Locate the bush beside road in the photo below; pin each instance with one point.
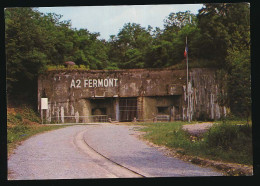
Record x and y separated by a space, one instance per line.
225 142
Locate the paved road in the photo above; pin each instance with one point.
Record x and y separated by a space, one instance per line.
119 144
63 154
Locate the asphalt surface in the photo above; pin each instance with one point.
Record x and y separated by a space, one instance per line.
120 144
94 151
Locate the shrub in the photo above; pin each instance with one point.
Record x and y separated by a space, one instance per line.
30 114
16 132
62 67
18 116
229 136
12 118
226 141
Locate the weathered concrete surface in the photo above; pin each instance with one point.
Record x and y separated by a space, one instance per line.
203 95
69 92
131 83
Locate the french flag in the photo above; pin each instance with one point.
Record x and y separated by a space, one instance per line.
186 51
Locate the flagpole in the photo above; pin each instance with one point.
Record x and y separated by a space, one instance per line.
188 109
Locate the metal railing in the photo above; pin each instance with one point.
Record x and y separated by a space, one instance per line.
163 117
99 119
78 119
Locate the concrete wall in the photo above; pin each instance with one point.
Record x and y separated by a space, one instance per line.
70 92
203 95
150 109
152 104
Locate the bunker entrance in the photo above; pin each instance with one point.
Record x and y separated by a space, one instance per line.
162 110
99 111
102 109
127 109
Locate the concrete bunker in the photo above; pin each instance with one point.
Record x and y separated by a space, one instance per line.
76 96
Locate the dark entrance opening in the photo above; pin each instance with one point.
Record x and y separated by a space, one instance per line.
163 110
102 109
127 109
99 111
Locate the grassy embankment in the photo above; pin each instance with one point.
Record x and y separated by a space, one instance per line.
226 141
22 123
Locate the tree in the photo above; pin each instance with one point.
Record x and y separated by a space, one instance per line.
226 38
176 21
239 82
34 40
88 50
218 24
170 43
129 47
25 55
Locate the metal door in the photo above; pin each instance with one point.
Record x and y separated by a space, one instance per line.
127 109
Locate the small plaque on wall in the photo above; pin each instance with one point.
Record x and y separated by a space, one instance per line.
44 103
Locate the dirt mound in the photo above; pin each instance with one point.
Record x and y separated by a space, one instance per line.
198 128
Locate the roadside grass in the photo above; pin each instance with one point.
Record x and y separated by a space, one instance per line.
23 123
227 141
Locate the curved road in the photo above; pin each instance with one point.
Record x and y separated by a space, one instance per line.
94 151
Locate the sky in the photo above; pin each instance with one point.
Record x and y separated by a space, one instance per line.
108 20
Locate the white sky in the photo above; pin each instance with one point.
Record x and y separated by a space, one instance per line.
108 20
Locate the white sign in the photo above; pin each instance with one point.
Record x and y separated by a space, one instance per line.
44 103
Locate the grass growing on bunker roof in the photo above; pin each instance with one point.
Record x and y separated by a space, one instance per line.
226 141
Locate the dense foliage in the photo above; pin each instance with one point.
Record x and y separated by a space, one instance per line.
219 37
